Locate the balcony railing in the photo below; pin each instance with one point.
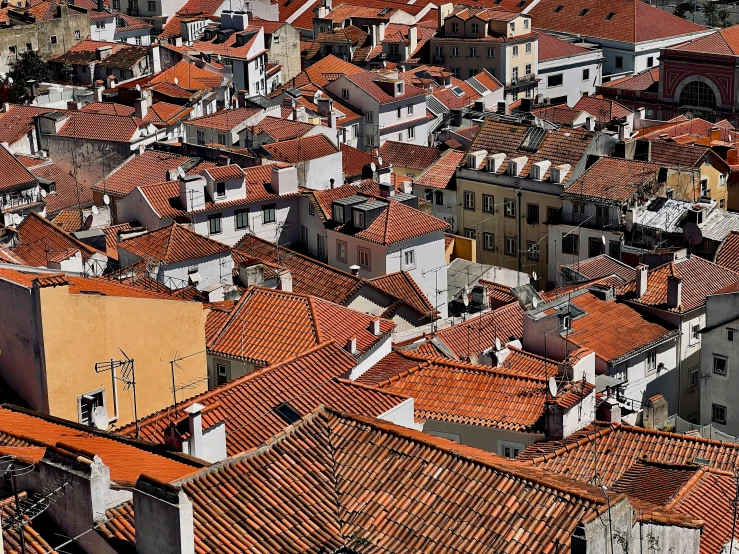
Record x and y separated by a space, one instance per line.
14 200
591 221
523 81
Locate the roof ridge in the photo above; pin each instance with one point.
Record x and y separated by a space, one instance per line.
77 242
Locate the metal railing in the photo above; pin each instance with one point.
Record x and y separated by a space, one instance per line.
14 200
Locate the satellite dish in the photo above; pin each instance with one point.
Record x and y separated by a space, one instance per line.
497 344
106 199
95 210
379 160
88 223
692 233
603 239
534 275
43 193
535 302
138 88
373 167
552 386
176 81
100 417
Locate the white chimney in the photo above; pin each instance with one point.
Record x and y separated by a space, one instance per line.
590 123
413 40
286 281
374 327
195 420
163 519
354 269
192 192
332 119
284 180
641 280
351 345
674 291
406 187
99 87
141 107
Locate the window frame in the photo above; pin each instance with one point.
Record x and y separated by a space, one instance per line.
339 245
650 361
714 419
238 214
509 208
557 77
575 239
491 199
529 219
361 251
466 195
510 240
532 250
694 378
220 189
725 360
266 209
491 246
470 233
412 263
215 218
99 391
586 74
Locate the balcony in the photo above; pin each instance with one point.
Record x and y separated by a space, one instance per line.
590 221
14 200
522 82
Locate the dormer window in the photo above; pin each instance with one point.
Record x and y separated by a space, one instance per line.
359 219
221 189
558 9
455 27
399 89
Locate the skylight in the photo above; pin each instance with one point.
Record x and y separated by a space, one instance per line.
583 12
286 412
558 9
610 16
457 91
521 4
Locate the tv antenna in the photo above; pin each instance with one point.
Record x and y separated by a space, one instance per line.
127 377
27 506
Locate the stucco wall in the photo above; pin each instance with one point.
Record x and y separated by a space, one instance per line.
484 438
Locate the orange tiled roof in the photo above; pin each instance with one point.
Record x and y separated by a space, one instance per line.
305 382
615 181
111 238
439 174
268 326
100 126
401 285
163 114
654 482
297 488
499 295
469 338
39 237
683 126
644 81
70 220
144 169
125 459
224 120
602 109
69 193
723 42
602 266
18 121
225 172
172 244
14 175
551 48
353 161
281 129
728 253
110 108
700 278
300 149
413 156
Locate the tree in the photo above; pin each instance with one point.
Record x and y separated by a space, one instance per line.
682 9
724 17
25 67
711 14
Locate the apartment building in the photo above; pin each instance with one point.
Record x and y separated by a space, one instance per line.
472 39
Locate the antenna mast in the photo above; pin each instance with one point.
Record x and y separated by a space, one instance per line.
128 378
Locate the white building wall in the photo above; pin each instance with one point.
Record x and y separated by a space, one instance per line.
317 174
447 210
573 84
403 414
103 29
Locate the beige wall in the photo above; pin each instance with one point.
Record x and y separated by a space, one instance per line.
82 329
502 227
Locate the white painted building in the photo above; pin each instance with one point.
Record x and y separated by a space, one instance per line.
226 127
567 70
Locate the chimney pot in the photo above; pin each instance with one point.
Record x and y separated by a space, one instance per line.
375 327
674 291
641 280
354 269
351 345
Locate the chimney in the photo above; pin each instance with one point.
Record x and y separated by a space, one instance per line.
195 421
284 180
141 107
299 114
351 345
99 87
101 6
110 81
413 39
610 411
715 133
163 518
286 281
32 84
407 187
590 123
73 106
240 21
674 291
192 192
374 327
444 11
641 280
623 128
332 119
251 275
103 52
354 269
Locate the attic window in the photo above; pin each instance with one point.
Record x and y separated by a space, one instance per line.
610 16
521 4
584 12
458 92
498 2
558 9
385 11
286 412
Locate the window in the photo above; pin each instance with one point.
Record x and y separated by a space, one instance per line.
456 72
488 241
552 215
509 207
394 49
514 73
512 26
152 6
694 378
138 40
475 28
473 71
491 52
583 12
358 219
532 214
488 203
287 413
609 16
696 332
455 27
439 198
268 213
469 200
515 50
370 117
470 233
554 80
619 62
321 241
276 39
409 109
12 50
221 374
528 48
409 259
304 236
440 51
345 93
528 72
454 51
698 94
370 140
722 204
730 335
400 113
341 250
355 131
29 47
201 137
221 189
491 70
510 449
411 133
473 52
585 74
532 250
565 322
53 37
571 244
650 360
242 219
214 224
87 403
116 4
363 255
720 365
510 246
650 61
718 414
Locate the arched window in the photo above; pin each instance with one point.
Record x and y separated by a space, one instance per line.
698 94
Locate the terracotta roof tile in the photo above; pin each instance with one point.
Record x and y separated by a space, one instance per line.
728 253
615 181
301 149
14 176
305 382
314 74
163 113
110 108
225 172
602 109
99 126
654 482
633 21
231 46
557 114
281 129
682 126
723 42
18 121
144 169
354 161
551 48
700 278
69 192
38 238
332 476
70 220
111 238
499 295
401 285
602 266
671 154
268 326
643 81
224 120
403 154
172 244
34 541
440 173
191 8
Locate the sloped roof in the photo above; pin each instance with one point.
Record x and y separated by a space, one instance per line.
39 239
110 108
440 173
401 285
632 20
172 244
18 121
672 154
144 169
315 74
14 175
163 114
683 126
614 181
724 41
553 48
700 278
728 253
602 109
268 326
306 381
367 81
601 266
281 129
310 503
300 149
224 120
69 192
353 161
639 82
100 126
404 154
